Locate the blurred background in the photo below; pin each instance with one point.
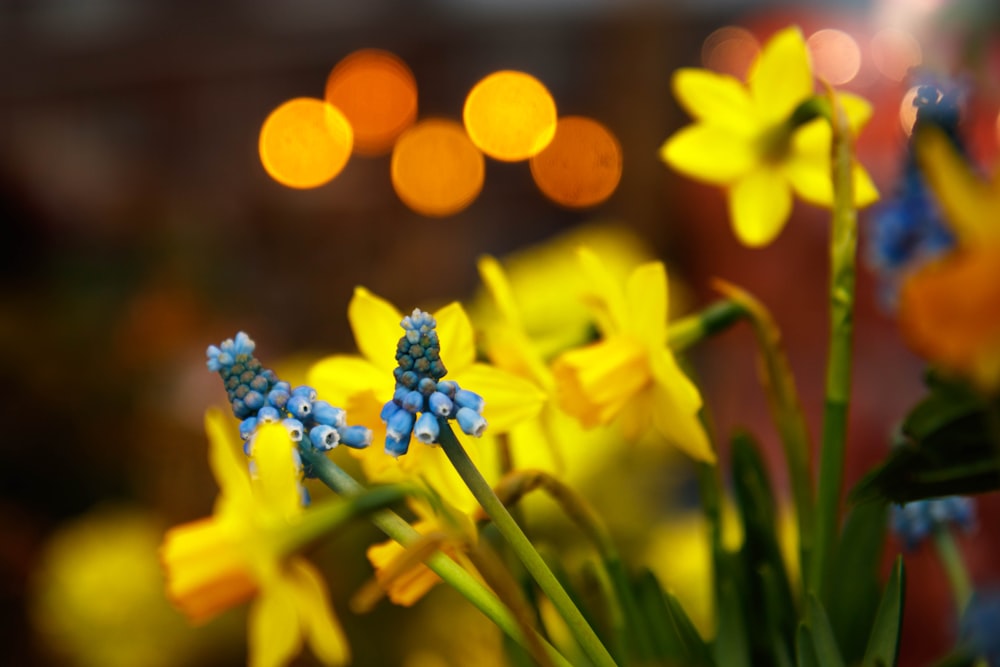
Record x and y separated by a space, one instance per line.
139 226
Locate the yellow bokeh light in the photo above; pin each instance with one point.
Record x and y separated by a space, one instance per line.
836 56
730 50
894 52
378 94
510 116
581 166
305 142
436 170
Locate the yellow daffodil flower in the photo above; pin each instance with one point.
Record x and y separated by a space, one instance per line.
950 308
745 139
630 375
540 277
553 441
363 384
239 554
403 575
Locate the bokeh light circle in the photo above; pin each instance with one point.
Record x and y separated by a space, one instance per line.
305 142
510 116
378 94
436 170
907 110
581 166
894 52
730 50
836 56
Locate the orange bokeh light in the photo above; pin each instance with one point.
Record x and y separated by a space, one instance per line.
378 94
907 110
581 166
730 50
894 52
836 56
510 116
436 170
305 142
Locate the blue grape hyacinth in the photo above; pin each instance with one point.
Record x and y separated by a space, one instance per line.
913 522
421 397
908 228
257 396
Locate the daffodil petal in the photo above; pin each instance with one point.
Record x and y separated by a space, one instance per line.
809 176
675 410
375 323
602 294
970 205
273 633
226 461
865 192
322 631
759 205
340 377
781 77
858 110
709 153
495 280
276 485
813 139
458 347
509 398
717 99
646 294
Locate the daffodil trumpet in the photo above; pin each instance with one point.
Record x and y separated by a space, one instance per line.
451 572
519 543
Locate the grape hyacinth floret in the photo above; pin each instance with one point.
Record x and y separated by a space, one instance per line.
257 396
421 397
913 522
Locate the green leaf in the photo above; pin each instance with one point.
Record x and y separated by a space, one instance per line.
853 597
824 644
731 647
770 605
946 449
883 643
805 648
674 637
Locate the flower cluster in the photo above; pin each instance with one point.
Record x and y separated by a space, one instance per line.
258 397
421 397
914 521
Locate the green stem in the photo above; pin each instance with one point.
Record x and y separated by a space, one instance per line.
519 542
843 248
451 572
714 319
954 567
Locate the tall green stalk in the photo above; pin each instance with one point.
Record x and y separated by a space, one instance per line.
843 249
533 562
396 528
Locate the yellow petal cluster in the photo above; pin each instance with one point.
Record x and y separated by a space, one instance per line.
238 554
631 376
950 308
744 138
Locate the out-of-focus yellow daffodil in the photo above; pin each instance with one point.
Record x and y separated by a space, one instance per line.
746 138
631 374
542 275
950 308
363 384
240 554
406 579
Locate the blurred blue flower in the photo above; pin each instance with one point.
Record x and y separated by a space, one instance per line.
980 625
913 522
908 229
